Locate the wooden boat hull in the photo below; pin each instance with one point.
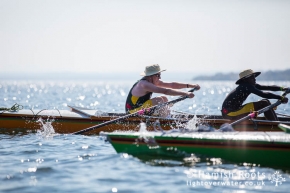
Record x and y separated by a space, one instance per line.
261 148
76 119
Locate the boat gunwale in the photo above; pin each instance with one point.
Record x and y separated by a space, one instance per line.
204 142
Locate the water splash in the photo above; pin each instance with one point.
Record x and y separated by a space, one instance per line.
146 137
46 129
143 132
192 123
226 128
101 113
188 121
195 124
143 128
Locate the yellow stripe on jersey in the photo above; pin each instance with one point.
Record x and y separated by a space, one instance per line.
248 108
134 99
147 104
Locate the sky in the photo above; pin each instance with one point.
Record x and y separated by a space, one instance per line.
124 36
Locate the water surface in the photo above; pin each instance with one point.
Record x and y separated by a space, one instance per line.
66 163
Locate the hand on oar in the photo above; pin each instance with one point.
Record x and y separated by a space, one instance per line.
227 126
133 114
284 100
287 91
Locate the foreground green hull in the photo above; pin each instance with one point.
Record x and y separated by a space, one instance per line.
260 148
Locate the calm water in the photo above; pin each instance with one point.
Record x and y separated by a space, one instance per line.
66 163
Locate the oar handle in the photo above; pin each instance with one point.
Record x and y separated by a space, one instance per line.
252 115
131 115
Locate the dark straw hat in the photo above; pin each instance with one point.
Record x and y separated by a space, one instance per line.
246 74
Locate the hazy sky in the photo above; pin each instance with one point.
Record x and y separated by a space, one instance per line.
126 35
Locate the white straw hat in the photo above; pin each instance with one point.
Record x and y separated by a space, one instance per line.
246 74
151 70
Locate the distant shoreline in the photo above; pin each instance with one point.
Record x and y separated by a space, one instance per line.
279 75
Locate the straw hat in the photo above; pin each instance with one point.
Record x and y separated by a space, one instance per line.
151 70
246 74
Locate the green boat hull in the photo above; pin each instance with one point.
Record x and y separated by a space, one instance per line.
266 149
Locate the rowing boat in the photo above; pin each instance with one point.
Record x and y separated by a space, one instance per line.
78 118
261 148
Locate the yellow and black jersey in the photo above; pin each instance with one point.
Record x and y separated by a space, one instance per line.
135 103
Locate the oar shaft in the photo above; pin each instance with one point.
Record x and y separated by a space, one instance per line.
283 115
252 115
270 107
131 115
103 124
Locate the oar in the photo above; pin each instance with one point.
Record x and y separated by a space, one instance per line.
283 115
140 112
228 127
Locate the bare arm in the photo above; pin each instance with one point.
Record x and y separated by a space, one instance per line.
149 87
177 85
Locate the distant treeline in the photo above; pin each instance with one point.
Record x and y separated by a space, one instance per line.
267 75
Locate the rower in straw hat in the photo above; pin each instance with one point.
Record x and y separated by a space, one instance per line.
233 107
140 95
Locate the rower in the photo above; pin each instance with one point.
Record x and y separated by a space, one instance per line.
140 94
233 107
